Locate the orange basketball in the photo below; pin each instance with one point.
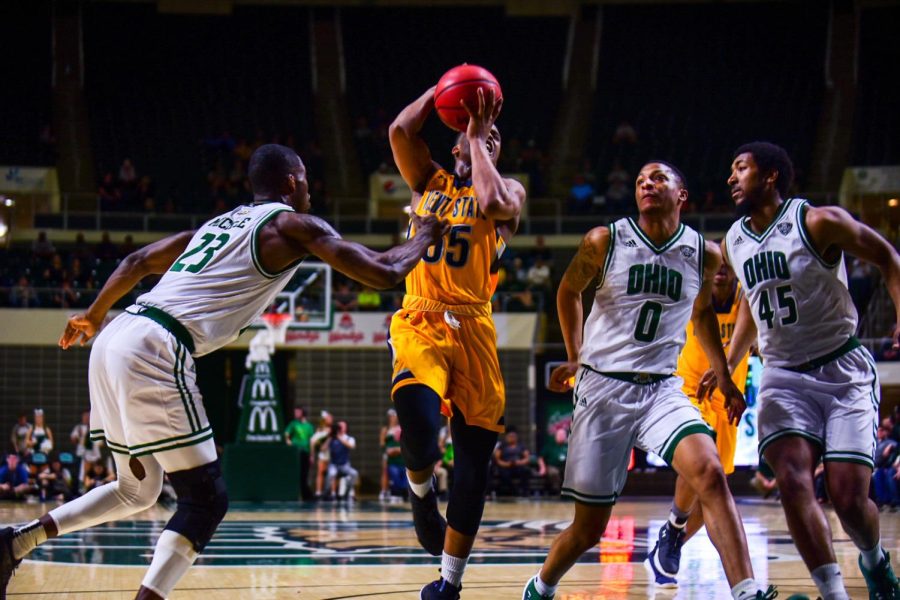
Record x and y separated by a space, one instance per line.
462 83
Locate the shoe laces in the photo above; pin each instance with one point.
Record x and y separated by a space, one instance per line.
769 594
673 540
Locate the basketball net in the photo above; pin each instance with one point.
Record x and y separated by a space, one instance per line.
277 324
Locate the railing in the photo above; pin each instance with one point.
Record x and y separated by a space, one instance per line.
75 298
546 216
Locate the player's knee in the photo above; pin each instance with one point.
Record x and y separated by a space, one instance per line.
419 412
202 503
466 504
710 479
848 503
139 494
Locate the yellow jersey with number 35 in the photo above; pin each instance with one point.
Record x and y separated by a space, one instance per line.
461 267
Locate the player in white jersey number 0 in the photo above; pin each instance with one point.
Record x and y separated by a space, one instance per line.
144 398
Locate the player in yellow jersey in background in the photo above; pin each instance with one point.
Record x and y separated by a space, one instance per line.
686 516
443 342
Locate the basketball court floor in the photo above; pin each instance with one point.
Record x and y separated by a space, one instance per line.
328 552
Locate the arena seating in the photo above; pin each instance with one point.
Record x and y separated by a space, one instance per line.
877 119
748 88
158 84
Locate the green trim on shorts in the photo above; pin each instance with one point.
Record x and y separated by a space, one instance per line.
179 355
687 428
764 443
175 446
171 439
592 499
849 456
190 396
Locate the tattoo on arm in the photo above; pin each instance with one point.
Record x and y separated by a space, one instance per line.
584 266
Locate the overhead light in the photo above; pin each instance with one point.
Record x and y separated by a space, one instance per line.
893 202
3 230
9 202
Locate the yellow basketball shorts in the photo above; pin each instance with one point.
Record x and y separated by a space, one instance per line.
716 416
455 355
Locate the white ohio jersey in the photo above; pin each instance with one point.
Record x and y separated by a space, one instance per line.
217 287
800 302
644 301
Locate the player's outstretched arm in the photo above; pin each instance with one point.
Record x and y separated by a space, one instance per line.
706 328
586 264
833 229
152 259
379 270
410 151
499 198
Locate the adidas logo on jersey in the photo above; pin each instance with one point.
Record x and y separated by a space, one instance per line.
582 401
785 228
739 240
630 244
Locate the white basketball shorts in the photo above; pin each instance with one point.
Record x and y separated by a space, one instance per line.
610 418
834 406
144 395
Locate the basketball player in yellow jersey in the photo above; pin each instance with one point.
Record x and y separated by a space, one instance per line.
686 516
443 340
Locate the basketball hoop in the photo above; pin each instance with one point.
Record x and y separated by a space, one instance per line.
277 324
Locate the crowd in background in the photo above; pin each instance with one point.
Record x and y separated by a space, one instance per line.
39 466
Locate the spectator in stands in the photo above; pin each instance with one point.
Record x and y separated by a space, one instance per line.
97 475
618 192
340 443
15 482
393 469
40 437
522 301
84 449
128 246
109 193
860 282
20 432
23 295
540 250
55 481
552 461
883 476
344 299
298 433
81 250
581 195
106 250
127 173
42 247
368 299
146 194
512 459
65 296
318 445
539 276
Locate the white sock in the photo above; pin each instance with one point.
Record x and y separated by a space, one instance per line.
677 517
829 581
452 568
419 489
544 589
28 537
871 558
173 556
744 590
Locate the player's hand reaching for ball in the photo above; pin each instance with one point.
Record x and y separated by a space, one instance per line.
735 404
80 328
483 114
430 226
561 377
